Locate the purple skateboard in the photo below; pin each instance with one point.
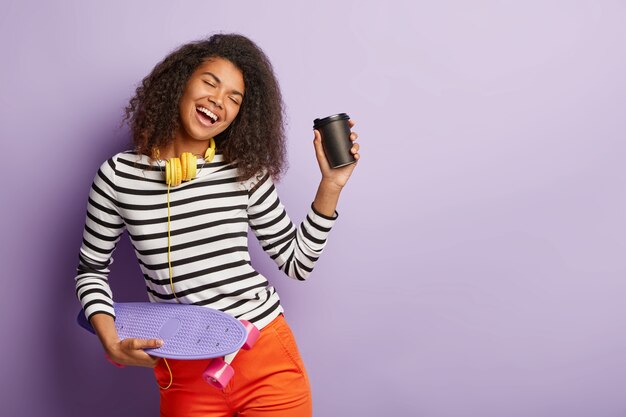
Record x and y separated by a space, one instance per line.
187 331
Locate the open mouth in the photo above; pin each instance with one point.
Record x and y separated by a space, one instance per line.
206 115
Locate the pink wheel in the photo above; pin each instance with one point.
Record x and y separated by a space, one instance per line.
218 373
253 334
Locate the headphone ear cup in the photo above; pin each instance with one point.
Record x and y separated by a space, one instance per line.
183 166
168 172
192 166
179 172
173 172
188 162
210 152
180 169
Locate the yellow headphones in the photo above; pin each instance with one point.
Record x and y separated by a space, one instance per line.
182 169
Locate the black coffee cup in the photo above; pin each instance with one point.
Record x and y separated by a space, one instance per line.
335 132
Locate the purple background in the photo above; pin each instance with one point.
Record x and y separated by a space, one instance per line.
478 265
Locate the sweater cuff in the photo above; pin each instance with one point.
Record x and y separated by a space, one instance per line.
322 219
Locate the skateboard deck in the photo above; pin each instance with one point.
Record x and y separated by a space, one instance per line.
187 331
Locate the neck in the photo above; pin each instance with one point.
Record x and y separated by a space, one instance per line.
176 148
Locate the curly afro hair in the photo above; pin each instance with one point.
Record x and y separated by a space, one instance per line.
255 139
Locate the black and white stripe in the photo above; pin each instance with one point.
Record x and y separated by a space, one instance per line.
210 217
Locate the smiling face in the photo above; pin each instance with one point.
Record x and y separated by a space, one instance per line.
210 102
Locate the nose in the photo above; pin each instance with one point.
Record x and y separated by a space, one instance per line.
216 99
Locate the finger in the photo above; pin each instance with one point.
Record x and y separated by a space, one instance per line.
151 343
138 344
143 359
351 123
154 361
317 142
317 135
354 136
355 148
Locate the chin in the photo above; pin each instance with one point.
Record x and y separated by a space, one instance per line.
205 134
219 131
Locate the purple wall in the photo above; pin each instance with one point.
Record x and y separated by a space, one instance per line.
478 265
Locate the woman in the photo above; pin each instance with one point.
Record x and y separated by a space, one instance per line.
191 237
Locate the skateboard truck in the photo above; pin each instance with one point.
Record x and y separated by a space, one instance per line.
219 371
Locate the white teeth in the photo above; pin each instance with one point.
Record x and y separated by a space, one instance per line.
208 113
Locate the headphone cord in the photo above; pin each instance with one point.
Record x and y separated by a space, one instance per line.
169 245
169 264
169 256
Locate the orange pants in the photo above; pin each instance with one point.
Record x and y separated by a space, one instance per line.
270 380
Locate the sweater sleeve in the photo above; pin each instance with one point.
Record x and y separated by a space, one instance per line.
295 250
103 228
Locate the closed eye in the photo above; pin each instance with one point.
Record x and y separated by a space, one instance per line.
209 83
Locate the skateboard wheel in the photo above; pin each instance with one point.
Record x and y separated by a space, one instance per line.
253 334
218 373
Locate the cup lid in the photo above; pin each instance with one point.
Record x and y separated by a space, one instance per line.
321 122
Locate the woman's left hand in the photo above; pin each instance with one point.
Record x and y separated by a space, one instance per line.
336 176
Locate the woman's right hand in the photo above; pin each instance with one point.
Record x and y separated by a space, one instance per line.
131 352
123 352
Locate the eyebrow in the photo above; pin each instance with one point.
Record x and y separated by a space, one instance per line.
220 81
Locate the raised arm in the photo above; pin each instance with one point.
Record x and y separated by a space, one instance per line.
295 250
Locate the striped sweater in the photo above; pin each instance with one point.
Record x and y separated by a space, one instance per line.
209 221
